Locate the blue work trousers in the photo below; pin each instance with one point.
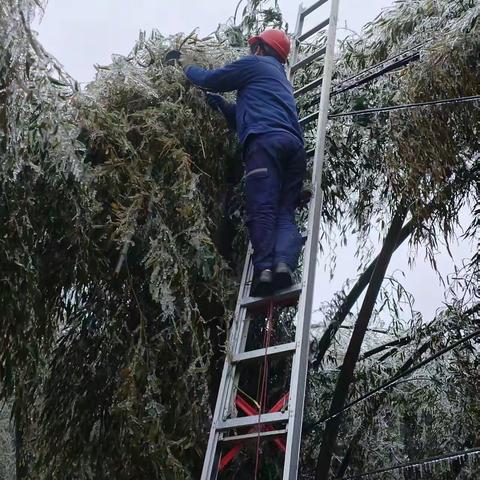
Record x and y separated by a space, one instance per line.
275 166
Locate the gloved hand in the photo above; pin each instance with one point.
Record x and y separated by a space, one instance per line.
172 56
214 100
185 60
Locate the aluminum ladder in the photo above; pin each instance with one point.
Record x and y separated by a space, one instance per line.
282 424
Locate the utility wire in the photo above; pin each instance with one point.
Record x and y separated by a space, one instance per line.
393 380
365 76
403 62
414 49
388 67
448 101
406 106
439 458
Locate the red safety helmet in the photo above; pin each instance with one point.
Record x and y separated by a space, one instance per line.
276 39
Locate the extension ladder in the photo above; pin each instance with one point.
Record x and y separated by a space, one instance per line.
282 423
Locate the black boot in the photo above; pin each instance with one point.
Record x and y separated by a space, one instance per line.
262 285
283 277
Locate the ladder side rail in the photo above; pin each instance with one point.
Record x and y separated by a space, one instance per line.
300 360
242 319
296 43
240 324
235 336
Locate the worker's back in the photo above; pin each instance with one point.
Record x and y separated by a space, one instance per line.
265 102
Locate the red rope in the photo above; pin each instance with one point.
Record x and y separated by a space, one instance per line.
263 381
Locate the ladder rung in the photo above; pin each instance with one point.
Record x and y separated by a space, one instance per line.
252 420
254 436
313 7
309 118
307 88
260 353
283 298
313 30
308 59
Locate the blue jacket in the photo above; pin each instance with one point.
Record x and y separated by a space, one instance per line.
265 100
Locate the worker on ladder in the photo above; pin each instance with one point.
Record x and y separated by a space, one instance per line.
266 121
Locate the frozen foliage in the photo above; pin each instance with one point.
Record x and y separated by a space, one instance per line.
428 159
118 271
7 452
114 293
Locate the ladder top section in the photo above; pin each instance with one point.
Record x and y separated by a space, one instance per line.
314 30
308 10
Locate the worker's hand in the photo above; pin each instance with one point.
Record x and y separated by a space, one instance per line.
187 60
176 56
214 100
172 57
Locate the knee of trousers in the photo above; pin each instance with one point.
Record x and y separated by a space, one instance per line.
261 210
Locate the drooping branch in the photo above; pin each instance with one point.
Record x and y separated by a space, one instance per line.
328 335
373 409
419 463
394 380
400 342
330 332
346 373
379 399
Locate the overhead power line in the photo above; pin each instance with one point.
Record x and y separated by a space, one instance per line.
365 76
406 106
419 463
371 73
369 111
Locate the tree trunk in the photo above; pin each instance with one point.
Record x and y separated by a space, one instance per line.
347 371
20 468
327 337
330 332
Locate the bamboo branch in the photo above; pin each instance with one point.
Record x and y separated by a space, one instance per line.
326 340
123 253
417 463
394 380
330 332
346 373
399 342
374 409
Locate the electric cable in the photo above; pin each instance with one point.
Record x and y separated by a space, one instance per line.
345 85
440 458
263 382
448 101
401 62
406 106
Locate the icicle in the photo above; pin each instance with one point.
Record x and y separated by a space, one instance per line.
426 469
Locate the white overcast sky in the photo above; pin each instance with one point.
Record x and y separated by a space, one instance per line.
81 34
